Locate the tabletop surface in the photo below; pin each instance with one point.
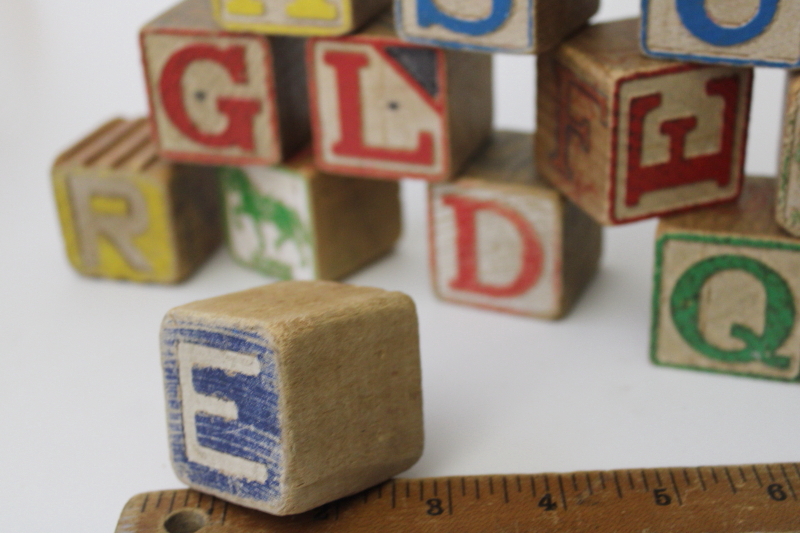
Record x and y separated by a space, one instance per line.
82 424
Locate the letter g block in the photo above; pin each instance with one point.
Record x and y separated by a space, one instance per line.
726 289
285 397
223 98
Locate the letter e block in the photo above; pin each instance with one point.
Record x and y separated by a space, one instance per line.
726 289
293 222
788 210
285 397
383 108
516 26
218 97
126 213
628 137
739 32
500 238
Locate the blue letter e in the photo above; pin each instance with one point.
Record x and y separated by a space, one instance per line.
428 14
695 18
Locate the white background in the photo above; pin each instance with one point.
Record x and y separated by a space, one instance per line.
81 406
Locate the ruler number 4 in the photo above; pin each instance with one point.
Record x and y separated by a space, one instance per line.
547 503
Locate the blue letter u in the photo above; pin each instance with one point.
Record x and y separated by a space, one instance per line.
428 14
695 18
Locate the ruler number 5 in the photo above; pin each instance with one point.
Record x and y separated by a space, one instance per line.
662 498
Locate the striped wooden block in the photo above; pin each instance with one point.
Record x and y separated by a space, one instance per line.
503 239
126 213
218 97
285 397
627 137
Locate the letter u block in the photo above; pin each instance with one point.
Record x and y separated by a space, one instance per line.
288 396
739 32
788 209
383 108
503 239
627 137
726 293
218 97
506 26
126 213
293 222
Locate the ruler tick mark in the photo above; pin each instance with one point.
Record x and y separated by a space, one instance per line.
172 501
730 480
686 478
449 498
491 486
700 478
602 481
789 483
714 475
658 479
519 484
200 499
224 511
505 490
463 487
741 475
616 483
408 489
186 499
435 489
589 483
421 491
769 471
533 486
574 483
561 488
644 481
144 503
796 469
158 500
758 478
546 483
675 487
477 489
211 509
630 480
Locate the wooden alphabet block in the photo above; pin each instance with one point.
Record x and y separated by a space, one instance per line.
293 222
627 137
503 239
288 396
509 26
739 32
788 209
218 97
297 17
383 108
126 213
727 294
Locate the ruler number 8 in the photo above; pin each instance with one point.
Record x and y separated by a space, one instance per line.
434 507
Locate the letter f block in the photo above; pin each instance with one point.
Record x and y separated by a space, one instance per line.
628 137
288 396
383 108
218 97
753 32
502 239
726 293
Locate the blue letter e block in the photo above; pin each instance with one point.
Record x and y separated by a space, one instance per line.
696 19
222 409
429 14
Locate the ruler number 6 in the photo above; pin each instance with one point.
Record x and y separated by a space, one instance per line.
662 498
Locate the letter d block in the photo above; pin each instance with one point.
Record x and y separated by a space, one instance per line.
126 213
293 222
218 97
500 238
727 293
743 32
517 26
382 108
288 396
627 137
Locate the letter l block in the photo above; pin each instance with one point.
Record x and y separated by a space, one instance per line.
288 396
726 293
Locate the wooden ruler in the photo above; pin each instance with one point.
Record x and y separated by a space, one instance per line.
733 499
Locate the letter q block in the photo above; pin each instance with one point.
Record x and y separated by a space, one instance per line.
628 137
384 108
503 239
285 397
743 32
727 294
507 26
218 97
126 213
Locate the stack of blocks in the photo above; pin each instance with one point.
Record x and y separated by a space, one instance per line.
286 397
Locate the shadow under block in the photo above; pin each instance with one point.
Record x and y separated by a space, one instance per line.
292 222
384 108
503 239
126 213
218 97
627 137
727 288
506 26
743 32
297 17
788 208
288 396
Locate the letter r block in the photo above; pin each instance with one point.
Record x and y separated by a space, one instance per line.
218 97
383 108
508 26
288 396
727 294
628 137
502 239
739 32
126 213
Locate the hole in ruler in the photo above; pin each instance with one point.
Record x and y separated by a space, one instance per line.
185 521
